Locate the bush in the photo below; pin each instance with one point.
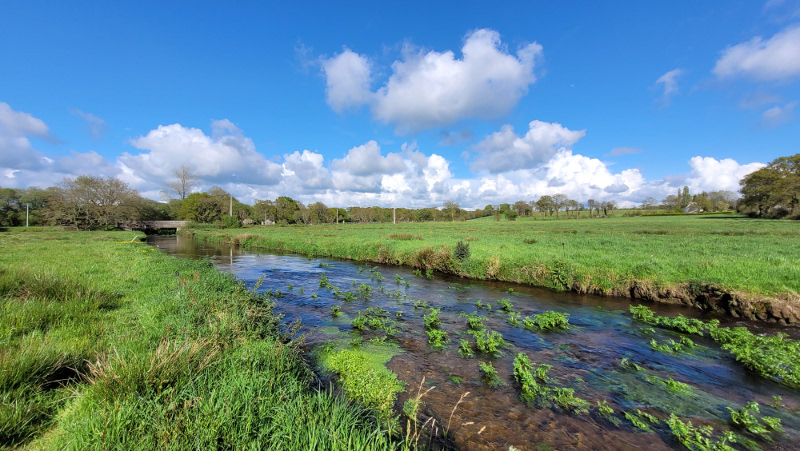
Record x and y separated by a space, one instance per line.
230 222
511 215
462 251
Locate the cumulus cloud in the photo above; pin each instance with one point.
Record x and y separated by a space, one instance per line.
16 150
97 126
778 115
710 174
506 150
347 76
429 89
669 82
774 59
226 154
307 170
366 159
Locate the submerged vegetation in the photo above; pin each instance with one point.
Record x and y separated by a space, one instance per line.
775 357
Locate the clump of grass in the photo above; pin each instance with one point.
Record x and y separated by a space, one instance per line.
490 377
549 320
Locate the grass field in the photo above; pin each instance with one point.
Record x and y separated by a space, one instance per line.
749 257
101 348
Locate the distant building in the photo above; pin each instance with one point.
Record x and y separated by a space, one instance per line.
692 208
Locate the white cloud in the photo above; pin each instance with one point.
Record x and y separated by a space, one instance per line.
16 150
348 76
670 84
97 126
307 170
775 59
225 155
366 159
778 115
432 89
710 174
505 150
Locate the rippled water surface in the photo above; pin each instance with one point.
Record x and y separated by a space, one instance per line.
586 357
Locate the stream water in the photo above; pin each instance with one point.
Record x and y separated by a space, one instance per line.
586 358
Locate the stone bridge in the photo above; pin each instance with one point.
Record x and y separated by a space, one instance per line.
152 225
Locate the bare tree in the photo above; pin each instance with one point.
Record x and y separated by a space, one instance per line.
181 186
560 201
452 208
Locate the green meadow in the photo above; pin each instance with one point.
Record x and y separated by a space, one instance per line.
103 346
753 258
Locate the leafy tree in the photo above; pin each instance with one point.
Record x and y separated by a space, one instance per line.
559 202
774 187
672 202
89 202
684 197
648 203
423 214
522 208
545 204
452 209
200 207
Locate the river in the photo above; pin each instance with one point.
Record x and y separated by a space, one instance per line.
586 358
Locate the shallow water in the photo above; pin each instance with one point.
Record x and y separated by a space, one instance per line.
586 357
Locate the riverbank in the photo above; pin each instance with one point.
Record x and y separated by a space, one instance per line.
108 343
724 263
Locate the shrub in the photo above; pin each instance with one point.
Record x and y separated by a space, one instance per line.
462 251
230 222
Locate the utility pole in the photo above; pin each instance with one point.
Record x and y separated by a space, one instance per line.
230 211
337 215
27 213
394 214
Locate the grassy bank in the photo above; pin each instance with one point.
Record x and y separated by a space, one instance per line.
673 257
103 347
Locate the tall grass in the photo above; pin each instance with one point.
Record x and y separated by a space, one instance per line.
102 347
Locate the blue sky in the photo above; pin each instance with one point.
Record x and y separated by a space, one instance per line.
370 103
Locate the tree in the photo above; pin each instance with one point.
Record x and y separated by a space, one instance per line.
452 209
545 204
559 202
319 213
200 207
773 188
181 186
671 203
592 205
88 202
684 197
522 208
648 203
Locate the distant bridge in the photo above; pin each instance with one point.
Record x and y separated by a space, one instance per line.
152 225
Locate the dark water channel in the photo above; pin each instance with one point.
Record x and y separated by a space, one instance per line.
586 358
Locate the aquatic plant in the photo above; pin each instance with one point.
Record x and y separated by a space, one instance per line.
513 319
437 338
473 320
774 357
505 305
417 273
744 419
638 422
630 365
373 388
549 320
429 274
488 341
700 438
432 320
314 295
349 296
566 399
336 311
324 282
466 350
490 377
364 291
